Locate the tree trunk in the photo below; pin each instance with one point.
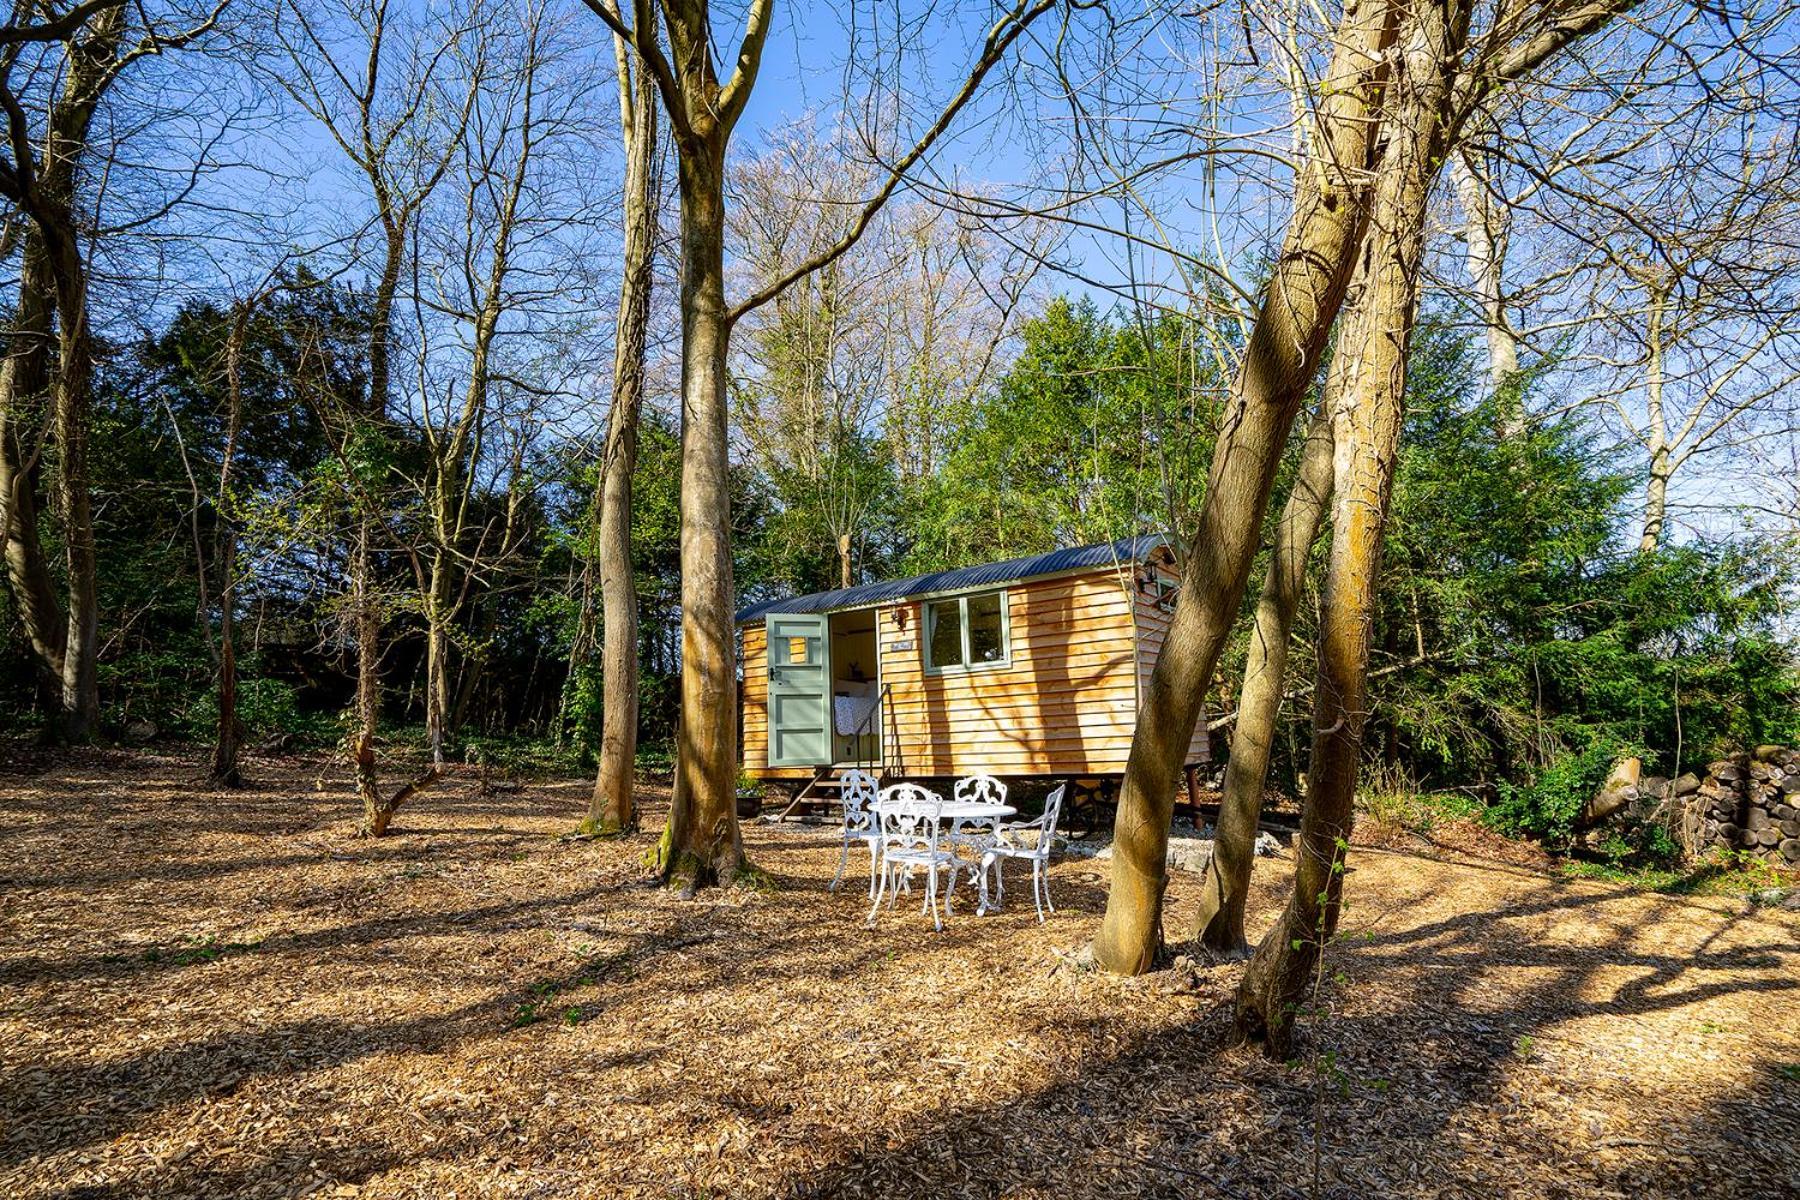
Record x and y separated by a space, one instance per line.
24 393
437 669
74 382
1656 500
613 809
1662 462
1221 923
377 811
1280 359
53 280
702 843
1487 228
229 738
1366 419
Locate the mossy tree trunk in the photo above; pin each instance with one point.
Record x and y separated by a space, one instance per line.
1302 300
1366 413
1221 921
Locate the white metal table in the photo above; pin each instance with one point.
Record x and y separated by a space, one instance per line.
974 825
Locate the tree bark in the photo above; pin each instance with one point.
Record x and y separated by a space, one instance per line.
1303 298
702 844
54 281
1662 461
229 736
613 809
1487 228
1366 420
73 396
24 395
1221 922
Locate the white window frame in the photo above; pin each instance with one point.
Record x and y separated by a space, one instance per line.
962 603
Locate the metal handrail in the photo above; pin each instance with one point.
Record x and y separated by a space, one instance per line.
879 762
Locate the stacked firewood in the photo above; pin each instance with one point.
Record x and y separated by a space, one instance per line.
1746 802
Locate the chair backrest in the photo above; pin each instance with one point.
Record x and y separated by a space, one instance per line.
910 817
858 790
981 789
1052 810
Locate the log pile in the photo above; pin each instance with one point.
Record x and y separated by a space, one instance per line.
1746 802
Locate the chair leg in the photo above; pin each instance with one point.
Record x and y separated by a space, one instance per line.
950 895
843 861
877 893
1037 890
873 857
1046 870
937 922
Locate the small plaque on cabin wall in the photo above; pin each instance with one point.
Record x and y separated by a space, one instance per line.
898 647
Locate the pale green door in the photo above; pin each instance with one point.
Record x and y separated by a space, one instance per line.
799 689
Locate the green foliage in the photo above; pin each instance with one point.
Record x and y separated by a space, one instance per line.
1101 428
1549 803
1717 873
1521 626
265 707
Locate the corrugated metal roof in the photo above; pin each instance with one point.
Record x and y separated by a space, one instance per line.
987 575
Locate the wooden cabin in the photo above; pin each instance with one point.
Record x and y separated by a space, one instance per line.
1031 667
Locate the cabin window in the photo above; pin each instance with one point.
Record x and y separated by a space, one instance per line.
966 633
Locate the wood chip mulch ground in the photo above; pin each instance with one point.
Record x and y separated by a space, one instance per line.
212 994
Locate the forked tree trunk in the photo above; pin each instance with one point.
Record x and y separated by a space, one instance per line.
1303 298
1221 922
54 280
24 400
613 809
1366 420
378 810
701 844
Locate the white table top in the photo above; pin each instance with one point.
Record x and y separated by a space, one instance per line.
966 810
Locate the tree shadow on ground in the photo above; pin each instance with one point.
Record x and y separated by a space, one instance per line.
1187 1114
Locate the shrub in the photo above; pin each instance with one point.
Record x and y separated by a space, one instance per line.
1548 805
265 707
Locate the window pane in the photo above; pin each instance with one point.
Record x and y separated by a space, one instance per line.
946 634
797 650
987 630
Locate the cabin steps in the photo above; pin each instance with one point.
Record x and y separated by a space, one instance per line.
823 793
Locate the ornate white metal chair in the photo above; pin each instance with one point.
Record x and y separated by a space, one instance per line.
859 791
980 789
1030 841
912 839
977 834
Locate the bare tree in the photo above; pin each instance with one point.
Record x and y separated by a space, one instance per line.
50 106
1310 277
383 107
1303 296
701 842
613 808
491 251
1695 345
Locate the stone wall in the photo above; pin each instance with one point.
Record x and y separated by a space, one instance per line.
1746 802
